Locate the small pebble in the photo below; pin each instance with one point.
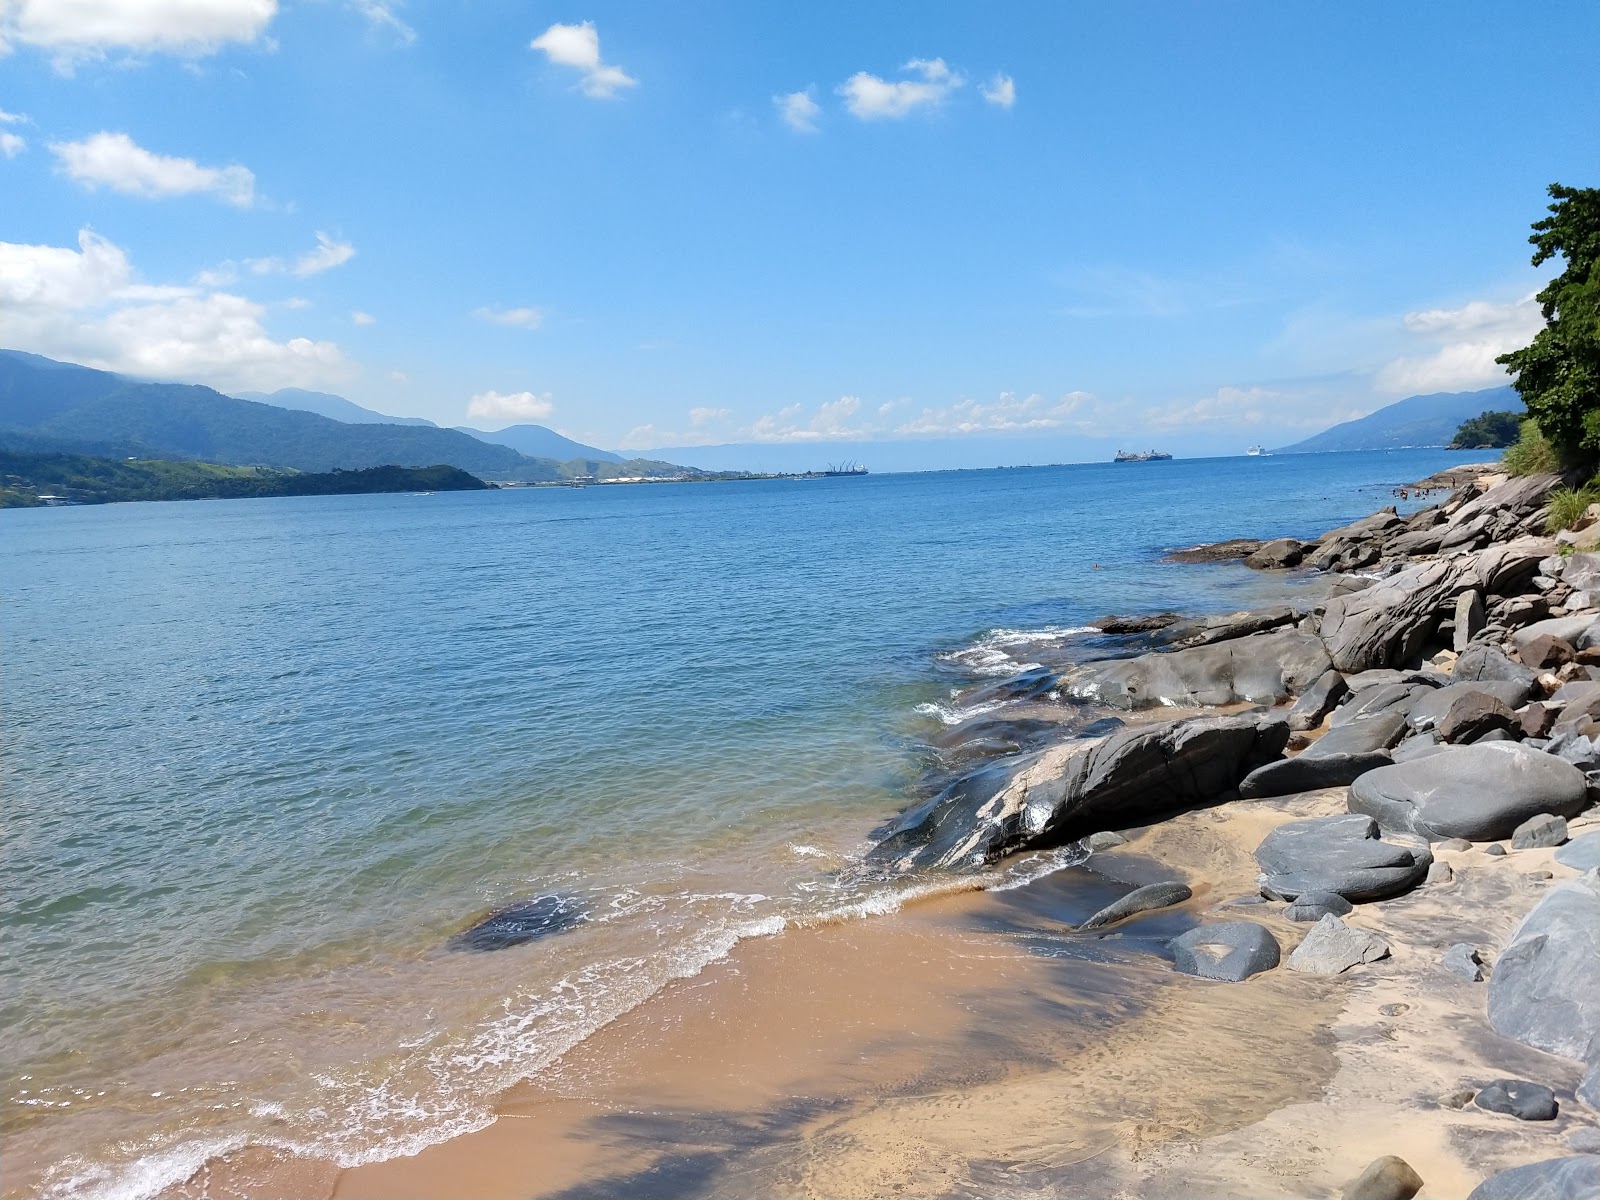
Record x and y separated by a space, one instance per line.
1440 872
1453 844
1394 1010
1495 849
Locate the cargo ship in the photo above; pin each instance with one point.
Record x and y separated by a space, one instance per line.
1147 456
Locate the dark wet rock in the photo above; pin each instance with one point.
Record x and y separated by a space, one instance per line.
1574 1178
1229 951
1345 554
1075 788
1482 663
1210 552
1262 669
1386 1178
1036 683
522 922
1537 719
1341 854
1277 555
1317 701
1581 853
1495 850
1313 906
1546 653
1430 710
1469 619
1545 991
1523 1100
1383 521
1464 961
1146 624
990 737
1151 896
1106 839
1306 773
1333 947
1475 792
1225 627
1494 735
1538 832
1420 746
1477 716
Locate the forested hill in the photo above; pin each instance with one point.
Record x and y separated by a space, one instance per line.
1415 421
45 405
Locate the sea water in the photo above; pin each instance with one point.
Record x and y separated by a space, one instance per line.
265 758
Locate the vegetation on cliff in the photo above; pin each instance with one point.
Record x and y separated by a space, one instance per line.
1487 430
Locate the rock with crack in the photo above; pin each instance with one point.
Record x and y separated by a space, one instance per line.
1317 701
1230 951
1482 663
1073 789
1480 792
1333 947
1389 623
1341 854
1539 832
1262 668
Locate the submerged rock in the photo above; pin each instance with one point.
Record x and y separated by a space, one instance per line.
1073 789
522 922
1145 899
1476 792
1340 854
1229 951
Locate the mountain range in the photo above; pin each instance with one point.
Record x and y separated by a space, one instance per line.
1415 421
49 406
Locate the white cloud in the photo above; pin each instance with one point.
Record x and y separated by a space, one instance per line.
399 377
521 318
85 28
579 46
1001 90
705 416
86 305
1008 413
114 160
362 318
381 16
324 256
831 421
871 98
798 110
11 144
513 406
1462 346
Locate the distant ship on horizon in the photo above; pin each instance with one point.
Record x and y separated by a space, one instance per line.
1147 456
848 468
1257 452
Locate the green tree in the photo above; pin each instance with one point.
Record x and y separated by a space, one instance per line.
1492 429
1558 373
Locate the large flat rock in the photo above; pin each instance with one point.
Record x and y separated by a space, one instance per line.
1480 792
1341 854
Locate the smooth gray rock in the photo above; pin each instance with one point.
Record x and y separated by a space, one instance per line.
1317 701
1277 555
1229 951
1144 899
1545 990
1340 854
1386 1178
1387 699
1469 618
1494 735
1567 629
1574 1178
1440 872
1332 947
1313 906
1463 960
1538 832
1377 732
1072 789
1482 663
1429 710
1308 772
1263 668
1495 850
1475 792
1225 627
1581 853
1521 1099
1106 839
1420 746
1453 844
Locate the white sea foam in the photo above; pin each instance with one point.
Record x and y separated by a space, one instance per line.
990 655
953 714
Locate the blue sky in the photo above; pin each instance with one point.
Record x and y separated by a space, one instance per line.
1189 225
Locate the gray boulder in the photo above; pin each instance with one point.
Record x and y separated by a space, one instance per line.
1277 555
1545 990
1483 663
1389 623
1144 899
1430 709
1573 1178
1476 792
1477 717
1229 951
1333 947
1464 961
1385 699
1521 1099
1313 906
1469 619
1538 832
1075 788
1317 701
1386 1178
1345 554
1262 668
1340 854
1581 853
1420 746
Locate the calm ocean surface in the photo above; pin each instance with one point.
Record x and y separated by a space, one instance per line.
263 758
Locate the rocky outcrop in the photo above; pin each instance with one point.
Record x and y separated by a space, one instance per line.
1480 792
1317 701
1127 778
1277 555
1263 668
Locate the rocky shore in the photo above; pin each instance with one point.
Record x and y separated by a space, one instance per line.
1424 741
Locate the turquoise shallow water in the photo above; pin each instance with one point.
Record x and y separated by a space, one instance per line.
263 758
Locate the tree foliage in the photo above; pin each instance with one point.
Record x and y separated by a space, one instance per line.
1494 430
1558 373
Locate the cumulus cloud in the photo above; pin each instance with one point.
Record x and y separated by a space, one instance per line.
1007 413
87 305
830 421
578 46
520 318
11 144
1460 346
74 29
510 406
1001 91
362 318
324 256
116 161
798 110
871 98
